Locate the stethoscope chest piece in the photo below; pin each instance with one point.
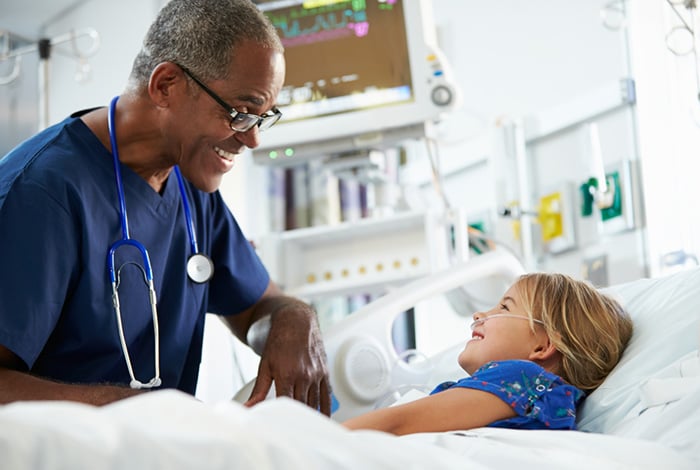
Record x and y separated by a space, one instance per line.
200 268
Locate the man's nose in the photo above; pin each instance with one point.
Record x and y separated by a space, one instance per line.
249 138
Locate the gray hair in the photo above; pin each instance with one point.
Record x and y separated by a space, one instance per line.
202 35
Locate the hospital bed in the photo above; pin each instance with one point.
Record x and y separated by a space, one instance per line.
645 415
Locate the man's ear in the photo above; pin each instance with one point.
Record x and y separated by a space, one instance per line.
164 82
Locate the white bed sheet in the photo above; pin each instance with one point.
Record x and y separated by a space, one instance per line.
171 430
645 415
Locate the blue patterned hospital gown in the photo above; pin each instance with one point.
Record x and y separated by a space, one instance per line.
541 399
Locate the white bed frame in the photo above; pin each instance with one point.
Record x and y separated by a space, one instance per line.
361 352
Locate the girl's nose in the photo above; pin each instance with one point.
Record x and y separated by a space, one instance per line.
478 318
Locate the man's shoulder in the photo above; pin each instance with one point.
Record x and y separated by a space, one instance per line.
52 158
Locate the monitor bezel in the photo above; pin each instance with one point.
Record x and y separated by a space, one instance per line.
428 71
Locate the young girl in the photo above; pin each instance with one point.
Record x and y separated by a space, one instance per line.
531 360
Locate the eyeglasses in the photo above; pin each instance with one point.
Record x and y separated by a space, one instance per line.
240 122
481 321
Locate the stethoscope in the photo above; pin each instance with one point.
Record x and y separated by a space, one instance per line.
200 267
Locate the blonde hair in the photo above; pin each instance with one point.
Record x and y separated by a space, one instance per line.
588 328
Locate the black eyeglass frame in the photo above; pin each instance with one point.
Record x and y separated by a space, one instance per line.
240 122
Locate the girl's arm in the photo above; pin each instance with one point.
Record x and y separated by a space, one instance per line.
452 410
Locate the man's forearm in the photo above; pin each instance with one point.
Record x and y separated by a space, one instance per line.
20 386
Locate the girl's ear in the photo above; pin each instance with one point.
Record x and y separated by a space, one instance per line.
544 352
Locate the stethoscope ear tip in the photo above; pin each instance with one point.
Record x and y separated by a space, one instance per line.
153 383
135 384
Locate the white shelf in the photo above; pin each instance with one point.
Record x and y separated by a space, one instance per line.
342 288
331 234
366 256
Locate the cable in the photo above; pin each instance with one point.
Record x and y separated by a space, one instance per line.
434 159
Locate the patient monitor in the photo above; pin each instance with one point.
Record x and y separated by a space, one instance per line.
359 75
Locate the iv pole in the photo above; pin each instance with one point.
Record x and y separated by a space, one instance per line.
44 47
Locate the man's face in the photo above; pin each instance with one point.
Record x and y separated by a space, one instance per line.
207 144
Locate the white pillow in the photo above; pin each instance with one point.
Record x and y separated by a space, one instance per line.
666 315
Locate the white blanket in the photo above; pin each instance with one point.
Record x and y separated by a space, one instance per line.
648 408
171 430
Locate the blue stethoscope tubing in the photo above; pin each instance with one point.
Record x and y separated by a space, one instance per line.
199 267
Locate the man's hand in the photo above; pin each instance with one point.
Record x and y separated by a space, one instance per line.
294 358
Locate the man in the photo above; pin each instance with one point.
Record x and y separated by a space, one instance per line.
94 206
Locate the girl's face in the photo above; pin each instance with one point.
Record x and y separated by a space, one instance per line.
502 333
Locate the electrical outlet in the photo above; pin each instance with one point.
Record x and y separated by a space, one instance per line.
555 215
550 216
623 211
614 208
595 270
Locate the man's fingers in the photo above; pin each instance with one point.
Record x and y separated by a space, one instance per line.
284 389
325 398
301 393
260 390
313 397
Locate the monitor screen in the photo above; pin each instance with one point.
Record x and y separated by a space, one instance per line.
356 70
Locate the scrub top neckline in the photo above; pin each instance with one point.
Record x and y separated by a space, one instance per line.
160 204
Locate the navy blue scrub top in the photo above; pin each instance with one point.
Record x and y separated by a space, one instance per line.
59 215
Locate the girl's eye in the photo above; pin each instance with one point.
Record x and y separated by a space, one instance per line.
504 307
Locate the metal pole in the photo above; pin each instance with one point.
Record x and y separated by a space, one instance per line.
44 47
520 150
